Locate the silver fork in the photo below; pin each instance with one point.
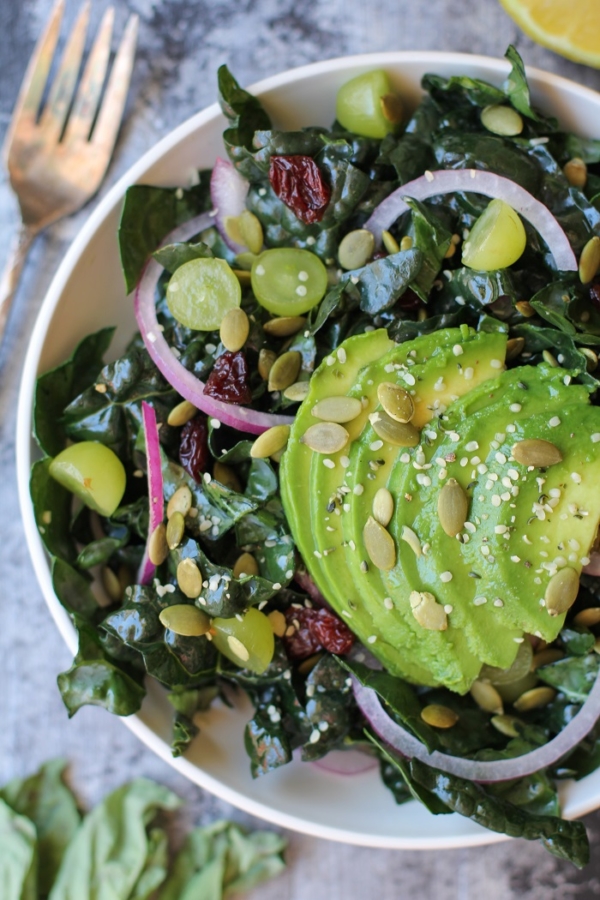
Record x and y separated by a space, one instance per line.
55 160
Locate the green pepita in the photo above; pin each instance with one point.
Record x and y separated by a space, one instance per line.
284 370
562 591
235 327
383 507
245 260
356 249
181 501
550 359
591 358
175 530
278 622
439 716
546 657
158 549
536 452
389 242
185 619
589 261
502 120
506 725
514 347
536 698
400 434
270 441
266 358
284 326
430 614
525 308
231 224
406 242
487 697
181 414
226 476
337 409
189 578
325 437
379 545
589 617
297 391
575 171
452 507
396 401
251 231
111 584
245 564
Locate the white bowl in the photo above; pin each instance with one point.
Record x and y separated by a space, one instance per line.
88 293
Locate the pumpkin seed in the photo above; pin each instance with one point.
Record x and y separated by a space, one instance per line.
231 224
589 261
562 591
591 358
487 697
536 452
245 564
452 507
158 549
396 402
546 657
337 409
284 326
111 584
276 457
389 242
575 171
506 725
226 476
325 437
297 391
550 359
536 698
189 578
588 617
270 441
244 277
175 530
450 251
525 308
502 120
235 327
356 249
284 370
511 692
383 507
392 108
412 540
278 622
308 664
251 231
266 358
379 545
181 414
596 647
399 434
185 619
439 716
181 501
427 611
514 347
406 242
245 260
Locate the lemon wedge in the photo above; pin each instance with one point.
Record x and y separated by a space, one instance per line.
571 29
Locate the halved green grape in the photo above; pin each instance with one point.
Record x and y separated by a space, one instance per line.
288 281
201 292
368 105
92 472
248 642
497 238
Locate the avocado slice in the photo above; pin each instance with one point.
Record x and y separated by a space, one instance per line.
523 524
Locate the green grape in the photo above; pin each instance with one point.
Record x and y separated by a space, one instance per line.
288 281
201 292
367 105
497 239
92 472
248 642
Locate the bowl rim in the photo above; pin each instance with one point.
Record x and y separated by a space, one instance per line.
494 67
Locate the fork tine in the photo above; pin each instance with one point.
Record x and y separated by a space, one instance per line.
61 93
90 88
113 103
36 75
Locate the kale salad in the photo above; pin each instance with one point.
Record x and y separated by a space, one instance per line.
348 463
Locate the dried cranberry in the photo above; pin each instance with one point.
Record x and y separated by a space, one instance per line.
332 633
193 446
409 300
302 643
228 380
595 294
297 181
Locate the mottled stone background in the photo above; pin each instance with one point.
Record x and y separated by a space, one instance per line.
182 43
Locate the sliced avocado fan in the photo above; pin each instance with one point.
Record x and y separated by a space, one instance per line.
448 603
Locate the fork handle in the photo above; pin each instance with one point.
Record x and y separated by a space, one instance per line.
12 273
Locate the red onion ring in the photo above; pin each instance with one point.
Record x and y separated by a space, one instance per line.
155 486
228 190
594 565
346 762
479 770
184 382
475 181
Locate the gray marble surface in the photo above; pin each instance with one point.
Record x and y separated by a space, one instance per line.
182 42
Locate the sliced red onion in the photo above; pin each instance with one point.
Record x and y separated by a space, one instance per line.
155 486
594 565
228 191
346 762
183 381
478 770
475 181
303 579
